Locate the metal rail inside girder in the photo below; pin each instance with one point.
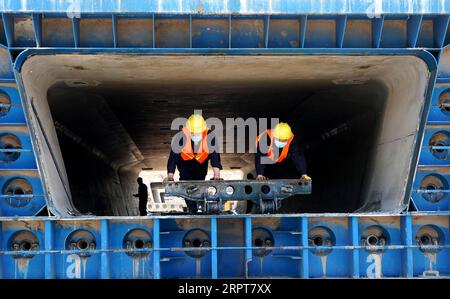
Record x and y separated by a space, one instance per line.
238 190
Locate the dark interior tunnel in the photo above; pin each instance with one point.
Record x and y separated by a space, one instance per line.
110 117
96 129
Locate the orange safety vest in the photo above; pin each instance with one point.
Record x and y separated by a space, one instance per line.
187 152
270 153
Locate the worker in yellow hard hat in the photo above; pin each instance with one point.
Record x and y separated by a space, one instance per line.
281 153
192 161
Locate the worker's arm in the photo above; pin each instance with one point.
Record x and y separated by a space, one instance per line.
171 165
299 160
258 165
215 161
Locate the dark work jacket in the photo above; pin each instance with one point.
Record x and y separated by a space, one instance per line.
191 170
279 170
142 193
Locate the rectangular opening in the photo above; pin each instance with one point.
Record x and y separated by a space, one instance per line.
356 117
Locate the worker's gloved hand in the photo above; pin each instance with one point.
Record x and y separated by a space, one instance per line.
260 177
305 178
168 179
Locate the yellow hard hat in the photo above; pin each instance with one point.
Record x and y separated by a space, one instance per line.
196 124
282 131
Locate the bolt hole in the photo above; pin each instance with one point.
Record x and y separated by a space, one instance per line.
248 189
265 189
372 240
318 241
25 245
139 244
82 244
8 146
425 240
431 187
259 242
197 243
439 150
18 191
5 100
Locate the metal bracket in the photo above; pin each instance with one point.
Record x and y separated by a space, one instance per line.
265 194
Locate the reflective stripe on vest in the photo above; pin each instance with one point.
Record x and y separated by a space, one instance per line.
270 154
187 152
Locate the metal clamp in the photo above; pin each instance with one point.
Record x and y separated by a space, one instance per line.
212 195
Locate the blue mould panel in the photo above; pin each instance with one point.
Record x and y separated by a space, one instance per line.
127 235
164 30
182 234
430 231
435 146
12 111
430 189
74 236
379 262
24 237
440 105
21 193
16 151
407 245
281 233
332 234
218 31
295 246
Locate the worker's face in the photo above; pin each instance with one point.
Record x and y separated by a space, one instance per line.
197 137
280 143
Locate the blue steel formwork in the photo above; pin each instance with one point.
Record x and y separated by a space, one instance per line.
411 244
